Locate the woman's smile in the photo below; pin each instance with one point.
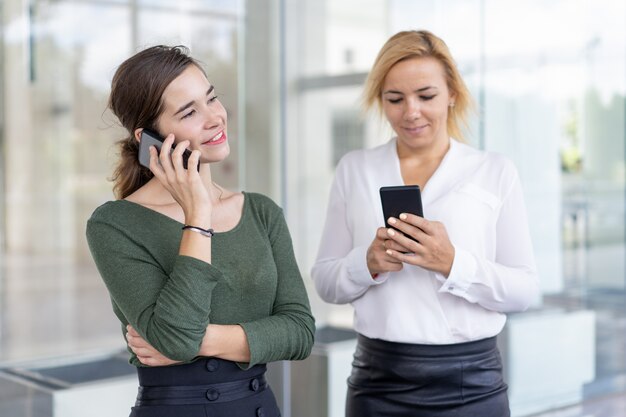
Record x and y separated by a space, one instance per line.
216 140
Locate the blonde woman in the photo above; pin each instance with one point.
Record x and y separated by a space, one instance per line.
427 311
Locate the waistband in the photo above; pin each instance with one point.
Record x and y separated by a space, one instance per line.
204 371
427 351
205 381
200 394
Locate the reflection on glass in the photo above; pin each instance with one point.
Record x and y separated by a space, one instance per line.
59 145
550 81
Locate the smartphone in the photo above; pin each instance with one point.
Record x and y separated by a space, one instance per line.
401 199
152 138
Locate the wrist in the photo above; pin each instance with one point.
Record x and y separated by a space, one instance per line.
203 222
208 348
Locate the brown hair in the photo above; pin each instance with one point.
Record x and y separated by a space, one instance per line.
419 44
136 100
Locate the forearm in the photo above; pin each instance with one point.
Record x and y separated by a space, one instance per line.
494 286
227 342
195 245
343 280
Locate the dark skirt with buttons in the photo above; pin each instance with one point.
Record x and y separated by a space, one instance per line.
401 379
206 387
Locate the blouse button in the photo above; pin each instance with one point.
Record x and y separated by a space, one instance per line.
260 412
254 384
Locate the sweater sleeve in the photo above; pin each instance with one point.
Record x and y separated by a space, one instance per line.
169 309
288 333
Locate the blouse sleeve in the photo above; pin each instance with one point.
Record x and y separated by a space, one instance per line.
340 271
288 333
169 310
510 282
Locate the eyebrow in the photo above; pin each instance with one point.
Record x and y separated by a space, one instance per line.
186 106
419 90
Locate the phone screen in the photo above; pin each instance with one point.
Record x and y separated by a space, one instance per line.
401 199
152 138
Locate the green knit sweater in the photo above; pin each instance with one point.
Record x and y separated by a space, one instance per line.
170 299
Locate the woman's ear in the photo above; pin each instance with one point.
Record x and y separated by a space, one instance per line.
138 134
452 99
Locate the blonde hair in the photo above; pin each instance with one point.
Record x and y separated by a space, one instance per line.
420 44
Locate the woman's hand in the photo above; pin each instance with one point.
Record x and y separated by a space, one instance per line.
378 260
433 249
146 354
185 185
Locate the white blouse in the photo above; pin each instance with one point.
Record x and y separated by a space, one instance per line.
478 197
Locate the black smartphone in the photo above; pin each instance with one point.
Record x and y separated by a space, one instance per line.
401 199
152 138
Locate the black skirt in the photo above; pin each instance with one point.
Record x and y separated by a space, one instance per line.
401 379
206 387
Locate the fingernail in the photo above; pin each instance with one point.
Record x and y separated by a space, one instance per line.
403 216
390 232
392 220
388 252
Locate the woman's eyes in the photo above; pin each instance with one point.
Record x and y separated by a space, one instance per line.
423 98
188 114
191 112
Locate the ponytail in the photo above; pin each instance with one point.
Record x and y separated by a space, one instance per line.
129 175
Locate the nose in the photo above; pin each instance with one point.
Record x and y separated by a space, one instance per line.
212 118
412 109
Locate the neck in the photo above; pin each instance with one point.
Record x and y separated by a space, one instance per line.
216 191
161 196
434 151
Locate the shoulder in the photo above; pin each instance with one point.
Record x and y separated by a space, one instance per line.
261 201
120 215
493 162
109 211
263 207
266 213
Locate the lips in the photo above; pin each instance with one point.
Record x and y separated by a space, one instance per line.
217 139
415 130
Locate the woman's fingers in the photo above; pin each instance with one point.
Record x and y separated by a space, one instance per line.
377 259
433 250
193 162
405 233
165 157
177 160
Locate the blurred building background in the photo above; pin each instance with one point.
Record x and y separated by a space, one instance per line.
549 77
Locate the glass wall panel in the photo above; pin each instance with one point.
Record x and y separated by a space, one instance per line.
549 80
555 105
59 150
57 65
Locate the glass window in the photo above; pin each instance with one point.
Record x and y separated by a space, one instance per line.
551 98
59 151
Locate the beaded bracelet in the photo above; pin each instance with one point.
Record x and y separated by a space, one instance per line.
203 232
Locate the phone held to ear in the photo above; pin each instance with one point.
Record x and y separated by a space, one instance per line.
152 138
401 199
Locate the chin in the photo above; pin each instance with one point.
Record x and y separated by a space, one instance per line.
416 142
217 156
